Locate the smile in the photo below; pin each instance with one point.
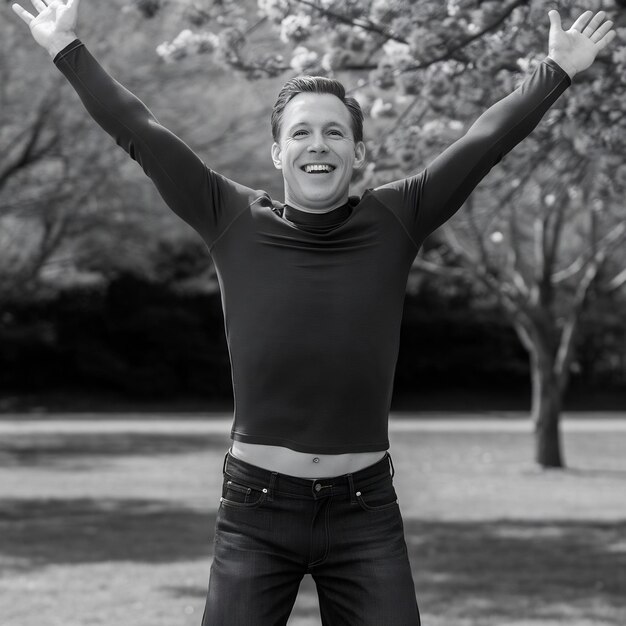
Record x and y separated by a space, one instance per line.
317 168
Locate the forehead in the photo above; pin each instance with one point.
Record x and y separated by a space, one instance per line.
315 109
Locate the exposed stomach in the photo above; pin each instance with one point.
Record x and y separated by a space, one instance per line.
303 464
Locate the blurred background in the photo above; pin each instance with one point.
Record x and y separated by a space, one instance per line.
112 336
108 300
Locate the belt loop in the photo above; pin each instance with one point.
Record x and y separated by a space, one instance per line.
351 487
225 460
393 469
270 491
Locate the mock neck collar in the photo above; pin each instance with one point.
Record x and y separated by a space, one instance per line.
315 221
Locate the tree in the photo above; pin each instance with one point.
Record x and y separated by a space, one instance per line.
547 226
52 171
70 209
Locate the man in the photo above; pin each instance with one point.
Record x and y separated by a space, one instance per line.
312 291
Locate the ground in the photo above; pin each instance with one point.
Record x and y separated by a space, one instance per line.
109 520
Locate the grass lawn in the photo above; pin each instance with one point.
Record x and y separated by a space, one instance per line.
114 526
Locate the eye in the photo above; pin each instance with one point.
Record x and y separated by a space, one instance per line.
337 133
299 132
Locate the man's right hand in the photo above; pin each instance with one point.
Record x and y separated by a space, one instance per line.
53 26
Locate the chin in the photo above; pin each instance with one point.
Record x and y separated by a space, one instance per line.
319 203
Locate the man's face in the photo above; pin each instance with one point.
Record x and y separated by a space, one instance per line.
316 152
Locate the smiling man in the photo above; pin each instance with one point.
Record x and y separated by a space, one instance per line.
312 291
318 142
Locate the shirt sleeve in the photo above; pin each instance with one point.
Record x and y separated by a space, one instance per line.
425 201
206 200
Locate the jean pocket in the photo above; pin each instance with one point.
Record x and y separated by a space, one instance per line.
236 493
377 497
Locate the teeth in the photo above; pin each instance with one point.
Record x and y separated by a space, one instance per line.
318 167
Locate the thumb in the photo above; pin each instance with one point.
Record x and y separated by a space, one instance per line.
555 19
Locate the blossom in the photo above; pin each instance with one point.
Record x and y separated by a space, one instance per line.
363 98
356 39
523 64
295 27
528 63
433 127
273 64
619 55
397 51
384 11
275 10
452 7
380 108
450 67
303 59
187 42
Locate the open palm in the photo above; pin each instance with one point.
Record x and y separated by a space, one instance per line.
581 43
53 17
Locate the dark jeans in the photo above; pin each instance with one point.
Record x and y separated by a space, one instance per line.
345 531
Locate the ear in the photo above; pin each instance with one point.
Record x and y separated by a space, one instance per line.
359 154
276 156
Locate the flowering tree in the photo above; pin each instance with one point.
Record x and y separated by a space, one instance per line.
547 225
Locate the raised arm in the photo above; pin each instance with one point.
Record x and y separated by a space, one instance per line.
203 198
430 198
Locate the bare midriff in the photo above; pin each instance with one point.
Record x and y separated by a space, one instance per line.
303 464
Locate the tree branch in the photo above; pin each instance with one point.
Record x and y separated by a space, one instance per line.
568 272
522 328
435 269
616 282
364 24
514 256
559 220
30 152
449 53
566 344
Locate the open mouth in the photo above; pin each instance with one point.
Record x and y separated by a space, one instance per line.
317 168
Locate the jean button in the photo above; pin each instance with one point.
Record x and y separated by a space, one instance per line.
318 487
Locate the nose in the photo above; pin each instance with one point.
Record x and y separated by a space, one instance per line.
317 144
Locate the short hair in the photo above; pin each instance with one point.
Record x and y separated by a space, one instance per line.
316 84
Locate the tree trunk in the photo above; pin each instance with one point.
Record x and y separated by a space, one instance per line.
546 410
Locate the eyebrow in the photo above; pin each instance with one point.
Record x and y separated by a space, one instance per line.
329 125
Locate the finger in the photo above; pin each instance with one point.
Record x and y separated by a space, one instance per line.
581 22
555 19
595 22
25 15
603 30
39 5
606 40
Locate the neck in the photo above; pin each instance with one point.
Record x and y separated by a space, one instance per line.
308 209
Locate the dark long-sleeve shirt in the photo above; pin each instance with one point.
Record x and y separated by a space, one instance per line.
312 302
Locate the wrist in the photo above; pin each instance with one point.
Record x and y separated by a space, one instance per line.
60 41
568 68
